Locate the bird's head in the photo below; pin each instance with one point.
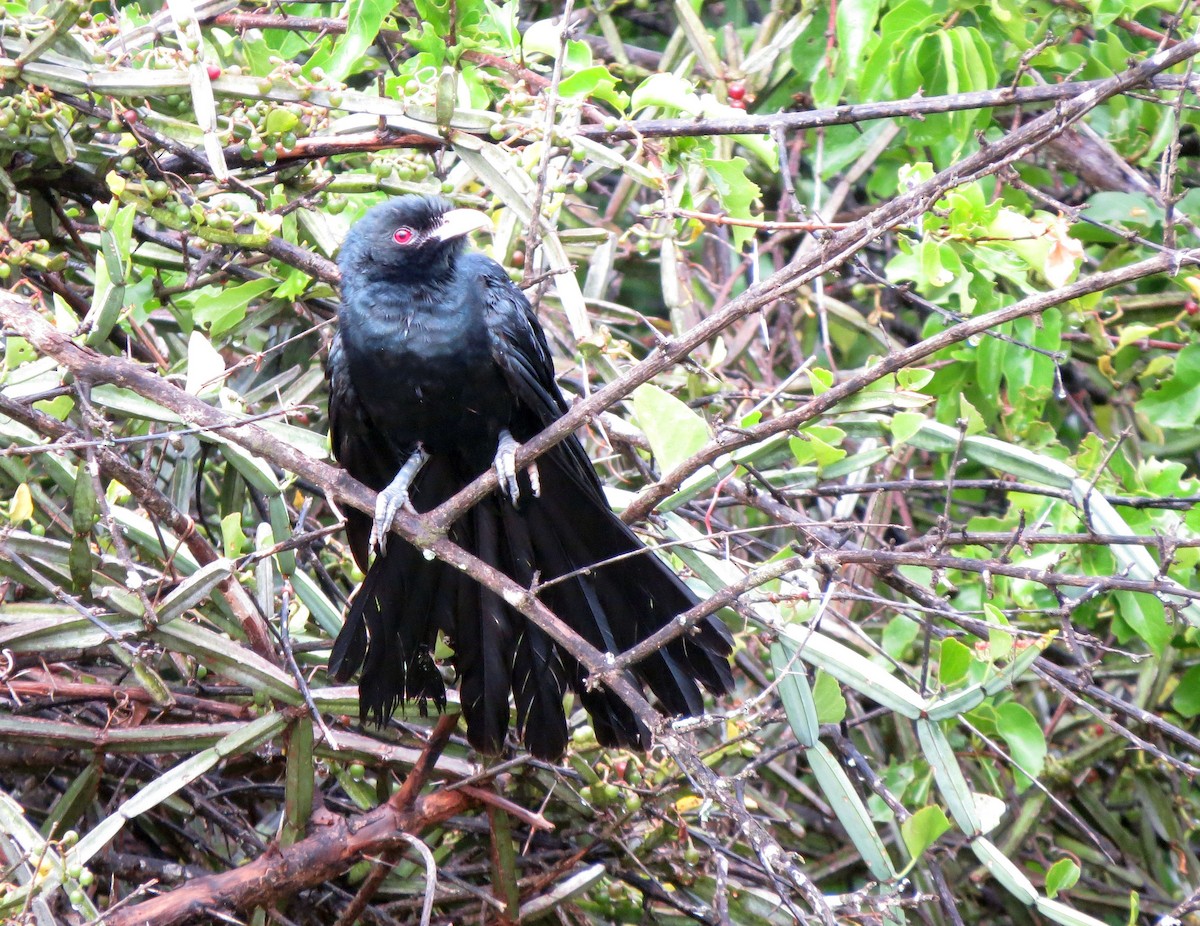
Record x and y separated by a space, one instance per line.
407 239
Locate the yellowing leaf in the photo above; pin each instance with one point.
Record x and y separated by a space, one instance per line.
21 506
688 804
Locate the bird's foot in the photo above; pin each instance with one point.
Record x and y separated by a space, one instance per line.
395 497
506 469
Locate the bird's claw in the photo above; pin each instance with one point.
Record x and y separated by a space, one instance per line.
506 469
395 497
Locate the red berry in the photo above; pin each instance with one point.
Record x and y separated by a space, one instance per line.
130 116
1191 307
737 90
214 72
738 104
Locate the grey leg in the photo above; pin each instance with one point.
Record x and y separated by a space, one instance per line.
506 468
395 497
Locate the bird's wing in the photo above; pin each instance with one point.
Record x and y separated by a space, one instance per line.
357 445
519 349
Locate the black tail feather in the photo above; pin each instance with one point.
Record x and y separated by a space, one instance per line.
405 599
483 640
391 630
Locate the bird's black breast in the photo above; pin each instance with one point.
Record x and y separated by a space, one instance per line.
422 367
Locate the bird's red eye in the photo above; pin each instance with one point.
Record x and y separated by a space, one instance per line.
403 235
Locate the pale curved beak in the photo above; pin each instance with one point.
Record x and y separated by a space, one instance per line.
459 222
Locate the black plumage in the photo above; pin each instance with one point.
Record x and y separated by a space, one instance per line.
438 370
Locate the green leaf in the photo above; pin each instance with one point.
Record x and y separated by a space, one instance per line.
675 431
593 81
665 91
233 539
898 635
954 661
544 37
922 829
1146 617
855 30
816 443
828 697
1020 731
363 21
83 502
1186 699
221 309
735 190
280 120
1062 876
1176 402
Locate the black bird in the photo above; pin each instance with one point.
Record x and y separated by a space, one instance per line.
439 369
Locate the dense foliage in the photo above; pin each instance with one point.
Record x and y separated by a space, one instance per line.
881 321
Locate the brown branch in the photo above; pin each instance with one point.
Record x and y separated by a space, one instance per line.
328 852
42 684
